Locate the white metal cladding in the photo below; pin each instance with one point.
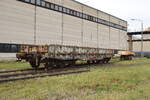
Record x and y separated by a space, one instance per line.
18 19
90 11
146 36
7 56
73 5
72 30
124 39
114 38
146 46
104 41
48 26
104 16
123 23
137 46
17 22
89 34
114 20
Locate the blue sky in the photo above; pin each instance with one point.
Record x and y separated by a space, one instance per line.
125 9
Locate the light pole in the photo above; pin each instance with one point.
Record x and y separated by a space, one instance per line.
141 34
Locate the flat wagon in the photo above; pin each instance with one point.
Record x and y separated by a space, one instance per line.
61 55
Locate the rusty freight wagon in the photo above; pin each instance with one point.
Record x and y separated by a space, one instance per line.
61 55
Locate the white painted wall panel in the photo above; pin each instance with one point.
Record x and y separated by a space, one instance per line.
73 5
7 56
146 46
103 16
17 19
136 46
17 22
114 20
114 38
49 26
72 30
123 23
124 40
104 41
147 36
90 34
90 11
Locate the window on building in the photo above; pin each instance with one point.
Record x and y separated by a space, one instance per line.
81 15
99 20
71 12
115 25
56 7
75 13
111 24
52 6
78 14
84 16
33 1
64 10
47 5
94 19
119 27
103 22
14 48
90 18
27 0
60 8
43 3
6 48
67 10
38 2
124 28
1 48
9 48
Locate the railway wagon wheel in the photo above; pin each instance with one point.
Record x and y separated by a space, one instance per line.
107 60
53 63
35 61
71 63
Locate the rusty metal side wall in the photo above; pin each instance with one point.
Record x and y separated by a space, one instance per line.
73 52
33 49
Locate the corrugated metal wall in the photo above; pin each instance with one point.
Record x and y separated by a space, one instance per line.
146 44
48 26
18 25
16 22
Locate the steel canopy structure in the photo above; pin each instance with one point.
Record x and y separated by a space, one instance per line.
138 33
141 44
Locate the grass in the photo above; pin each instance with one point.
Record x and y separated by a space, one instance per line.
135 61
13 65
120 83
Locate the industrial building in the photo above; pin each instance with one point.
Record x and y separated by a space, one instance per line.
61 22
141 45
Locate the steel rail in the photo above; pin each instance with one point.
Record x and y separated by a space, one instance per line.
41 76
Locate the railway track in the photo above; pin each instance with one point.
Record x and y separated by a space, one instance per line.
15 75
